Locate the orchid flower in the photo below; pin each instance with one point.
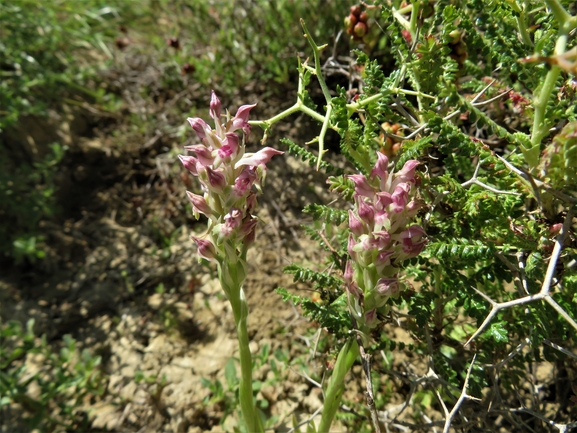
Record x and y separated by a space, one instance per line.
381 237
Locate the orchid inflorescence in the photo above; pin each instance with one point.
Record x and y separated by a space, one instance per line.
381 238
230 179
227 175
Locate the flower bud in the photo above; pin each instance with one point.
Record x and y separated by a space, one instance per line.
555 228
348 274
355 224
251 203
215 107
199 126
371 317
190 163
400 197
248 229
206 249
203 154
381 167
216 179
199 205
362 187
351 247
388 286
366 213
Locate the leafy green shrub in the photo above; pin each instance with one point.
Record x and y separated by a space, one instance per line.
482 94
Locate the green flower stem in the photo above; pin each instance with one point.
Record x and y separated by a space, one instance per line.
540 124
239 306
347 356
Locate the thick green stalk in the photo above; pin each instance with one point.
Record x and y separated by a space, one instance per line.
347 356
240 311
540 124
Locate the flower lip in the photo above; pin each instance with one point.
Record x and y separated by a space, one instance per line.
240 120
262 157
388 286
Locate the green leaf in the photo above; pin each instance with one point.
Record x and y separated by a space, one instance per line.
326 213
311 158
458 248
230 374
498 332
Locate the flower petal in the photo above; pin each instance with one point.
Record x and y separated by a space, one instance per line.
262 157
381 167
362 187
199 126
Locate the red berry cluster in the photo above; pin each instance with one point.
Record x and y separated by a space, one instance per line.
357 23
391 145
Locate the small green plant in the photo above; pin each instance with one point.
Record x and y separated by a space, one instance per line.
226 399
27 198
50 396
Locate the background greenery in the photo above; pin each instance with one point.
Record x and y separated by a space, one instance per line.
104 69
